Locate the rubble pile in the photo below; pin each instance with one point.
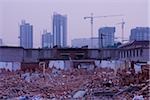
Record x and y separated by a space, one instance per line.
99 83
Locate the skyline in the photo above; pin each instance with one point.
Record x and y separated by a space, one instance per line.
39 14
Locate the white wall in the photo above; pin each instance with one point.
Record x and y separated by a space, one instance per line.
12 66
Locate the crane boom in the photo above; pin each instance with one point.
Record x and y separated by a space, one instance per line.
92 18
102 16
107 16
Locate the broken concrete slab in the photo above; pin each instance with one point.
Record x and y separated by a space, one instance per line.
79 94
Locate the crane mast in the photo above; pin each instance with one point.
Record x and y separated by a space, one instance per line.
91 18
122 29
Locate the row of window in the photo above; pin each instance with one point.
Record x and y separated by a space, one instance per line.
131 53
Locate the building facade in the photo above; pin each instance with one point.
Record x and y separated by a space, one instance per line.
59 30
140 33
47 39
26 35
106 36
135 51
85 42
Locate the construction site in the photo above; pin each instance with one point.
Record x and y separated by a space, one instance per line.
75 73
56 50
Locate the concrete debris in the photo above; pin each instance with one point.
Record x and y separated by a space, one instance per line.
23 98
36 98
58 84
138 98
79 94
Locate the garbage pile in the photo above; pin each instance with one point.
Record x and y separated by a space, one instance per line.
57 84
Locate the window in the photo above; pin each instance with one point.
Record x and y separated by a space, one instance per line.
124 54
130 53
141 52
137 53
120 54
127 53
133 53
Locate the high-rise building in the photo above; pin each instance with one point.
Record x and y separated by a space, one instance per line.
106 36
59 30
26 35
85 42
1 42
47 39
140 33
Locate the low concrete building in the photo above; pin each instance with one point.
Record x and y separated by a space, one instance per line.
46 53
11 57
20 54
109 54
93 54
11 54
71 53
30 55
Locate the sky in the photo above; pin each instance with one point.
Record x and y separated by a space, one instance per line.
39 14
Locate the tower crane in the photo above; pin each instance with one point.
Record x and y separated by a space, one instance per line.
122 29
91 17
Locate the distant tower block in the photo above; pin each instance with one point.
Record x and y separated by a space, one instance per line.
26 35
59 30
106 36
47 39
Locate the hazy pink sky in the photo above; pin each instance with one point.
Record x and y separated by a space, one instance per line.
39 13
